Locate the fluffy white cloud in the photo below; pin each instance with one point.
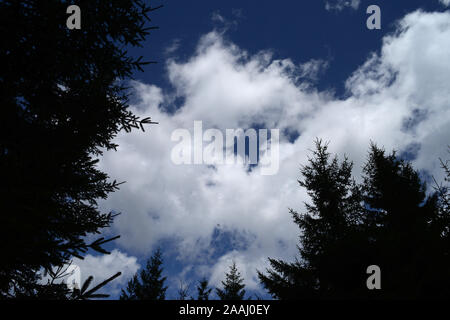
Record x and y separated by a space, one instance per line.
445 2
399 98
104 266
340 5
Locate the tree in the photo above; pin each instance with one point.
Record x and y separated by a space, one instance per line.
328 232
233 286
63 100
183 290
408 226
443 190
203 291
387 220
149 283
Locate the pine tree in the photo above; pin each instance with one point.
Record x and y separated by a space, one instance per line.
388 220
183 290
203 291
148 284
408 227
62 101
233 286
328 233
443 191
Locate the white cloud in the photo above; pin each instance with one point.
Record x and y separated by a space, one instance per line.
172 47
217 17
225 87
339 5
224 23
104 266
445 2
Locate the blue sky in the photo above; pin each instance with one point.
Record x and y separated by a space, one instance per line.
299 30
310 67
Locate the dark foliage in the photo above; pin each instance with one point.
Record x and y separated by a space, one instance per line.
233 286
62 102
387 220
203 291
183 290
148 284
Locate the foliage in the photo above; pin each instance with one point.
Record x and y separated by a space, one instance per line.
149 283
62 102
387 220
203 291
233 286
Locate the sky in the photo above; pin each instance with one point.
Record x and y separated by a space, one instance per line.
311 69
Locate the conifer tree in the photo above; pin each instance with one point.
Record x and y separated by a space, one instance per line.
388 220
148 284
233 286
183 290
328 232
62 99
408 228
203 291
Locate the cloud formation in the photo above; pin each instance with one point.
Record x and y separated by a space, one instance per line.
399 99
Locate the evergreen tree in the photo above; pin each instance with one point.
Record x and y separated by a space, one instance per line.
408 227
62 101
149 283
203 291
443 191
328 235
183 290
233 286
388 220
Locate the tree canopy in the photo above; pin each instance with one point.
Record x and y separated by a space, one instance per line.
203 291
387 220
63 100
148 284
233 286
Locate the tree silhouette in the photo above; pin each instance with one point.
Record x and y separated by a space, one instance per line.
328 228
387 220
183 290
84 294
62 102
203 291
149 283
233 286
411 245
443 190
